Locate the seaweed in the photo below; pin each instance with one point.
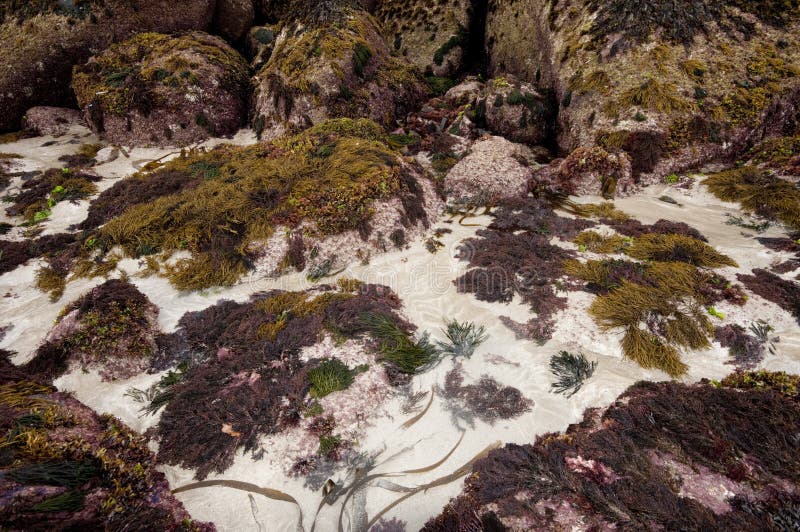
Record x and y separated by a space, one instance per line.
746 351
487 399
759 192
677 248
397 347
785 294
330 376
632 464
462 339
571 371
110 328
218 216
41 193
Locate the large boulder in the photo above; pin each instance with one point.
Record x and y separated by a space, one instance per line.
331 61
674 85
233 18
432 36
162 89
41 42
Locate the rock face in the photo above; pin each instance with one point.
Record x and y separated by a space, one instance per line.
674 86
233 18
166 90
588 171
518 111
433 37
41 44
332 62
664 455
494 169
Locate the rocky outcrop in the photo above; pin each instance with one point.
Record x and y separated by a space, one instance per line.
672 85
588 171
164 90
664 455
433 37
43 40
518 111
331 61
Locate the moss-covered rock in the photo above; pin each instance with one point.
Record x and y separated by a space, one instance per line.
432 36
331 61
672 84
162 89
43 40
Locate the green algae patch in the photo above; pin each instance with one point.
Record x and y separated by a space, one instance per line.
326 179
759 192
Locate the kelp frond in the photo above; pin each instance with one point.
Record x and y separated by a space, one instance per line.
597 243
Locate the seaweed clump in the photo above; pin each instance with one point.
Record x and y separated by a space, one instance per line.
69 468
647 462
221 205
40 194
241 376
111 328
785 294
486 400
759 192
571 371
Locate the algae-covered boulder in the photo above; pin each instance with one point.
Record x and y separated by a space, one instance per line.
41 42
518 111
162 89
674 84
44 120
329 195
663 456
64 467
432 36
331 61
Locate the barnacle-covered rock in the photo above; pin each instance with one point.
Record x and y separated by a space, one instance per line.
331 61
663 455
161 89
494 168
672 84
43 40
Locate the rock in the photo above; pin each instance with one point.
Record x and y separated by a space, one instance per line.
233 18
331 61
259 45
54 121
651 460
41 44
272 10
158 89
588 171
433 37
495 168
674 87
465 92
518 111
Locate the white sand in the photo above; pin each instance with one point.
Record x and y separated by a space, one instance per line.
424 282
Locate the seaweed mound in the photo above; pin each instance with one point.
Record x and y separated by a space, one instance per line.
664 455
331 63
43 40
112 328
226 206
240 374
164 89
64 467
